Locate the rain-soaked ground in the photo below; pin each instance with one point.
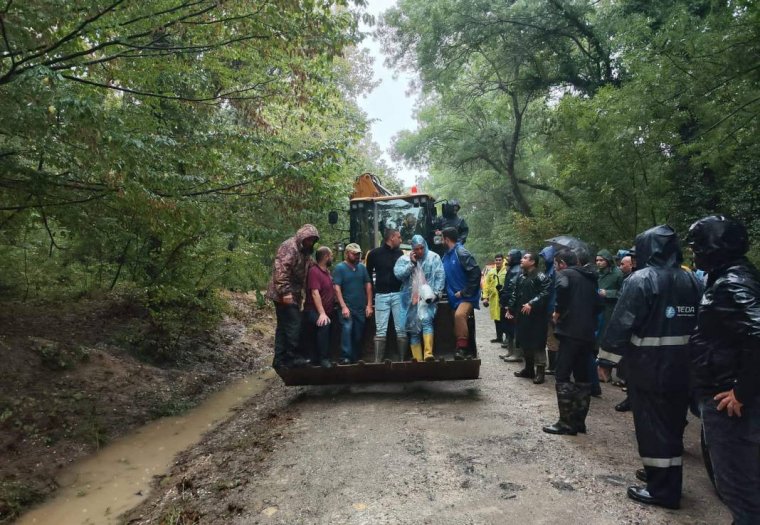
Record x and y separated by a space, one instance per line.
468 452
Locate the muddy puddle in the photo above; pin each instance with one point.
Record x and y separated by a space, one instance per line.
117 478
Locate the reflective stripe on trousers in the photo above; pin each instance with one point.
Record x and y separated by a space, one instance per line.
669 340
662 462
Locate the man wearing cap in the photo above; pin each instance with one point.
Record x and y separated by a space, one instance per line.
353 290
290 265
725 358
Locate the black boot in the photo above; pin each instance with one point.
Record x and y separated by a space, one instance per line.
539 379
581 404
552 363
624 405
529 371
565 398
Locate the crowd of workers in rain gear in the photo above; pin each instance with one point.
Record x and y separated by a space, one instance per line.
679 337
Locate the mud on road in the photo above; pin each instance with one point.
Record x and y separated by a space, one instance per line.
467 452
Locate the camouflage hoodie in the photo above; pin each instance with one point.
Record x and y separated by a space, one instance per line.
290 266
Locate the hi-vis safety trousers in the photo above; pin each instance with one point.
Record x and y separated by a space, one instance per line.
660 419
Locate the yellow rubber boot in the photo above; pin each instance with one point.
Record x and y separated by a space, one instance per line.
427 340
416 349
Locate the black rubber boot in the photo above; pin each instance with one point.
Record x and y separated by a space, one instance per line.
581 404
529 371
403 347
380 343
624 405
552 363
539 379
565 400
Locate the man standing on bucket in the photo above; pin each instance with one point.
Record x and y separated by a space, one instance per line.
420 307
381 262
353 289
285 289
462 287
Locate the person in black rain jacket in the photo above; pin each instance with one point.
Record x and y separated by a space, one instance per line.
650 326
576 310
528 306
505 295
725 356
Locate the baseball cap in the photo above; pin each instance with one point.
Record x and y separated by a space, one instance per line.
353 247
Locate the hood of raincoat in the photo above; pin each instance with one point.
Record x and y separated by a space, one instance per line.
548 255
418 240
513 257
716 241
304 232
607 256
587 271
658 247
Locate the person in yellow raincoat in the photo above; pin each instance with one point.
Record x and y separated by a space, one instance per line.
494 281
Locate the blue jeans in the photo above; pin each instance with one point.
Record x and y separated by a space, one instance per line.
734 445
385 304
352 330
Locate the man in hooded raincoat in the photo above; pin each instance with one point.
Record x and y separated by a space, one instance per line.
725 357
552 343
291 263
577 307
651 325
514 353
494 282
610 282
418 306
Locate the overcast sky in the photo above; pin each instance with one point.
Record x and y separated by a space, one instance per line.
388 106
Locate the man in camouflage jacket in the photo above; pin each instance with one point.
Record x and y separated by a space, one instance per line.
285 288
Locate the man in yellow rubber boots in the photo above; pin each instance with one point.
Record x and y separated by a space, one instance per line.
423 279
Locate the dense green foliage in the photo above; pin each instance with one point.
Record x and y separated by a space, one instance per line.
167 147
597 119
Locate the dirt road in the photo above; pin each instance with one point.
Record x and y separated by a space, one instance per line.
440 453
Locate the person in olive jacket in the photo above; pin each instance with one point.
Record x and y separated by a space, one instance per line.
610 282
529 305
725 357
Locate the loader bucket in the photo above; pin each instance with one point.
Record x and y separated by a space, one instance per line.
387 372
394 368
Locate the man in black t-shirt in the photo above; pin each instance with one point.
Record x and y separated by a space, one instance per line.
380 263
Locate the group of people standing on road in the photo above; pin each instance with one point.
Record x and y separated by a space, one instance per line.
405 288
681 338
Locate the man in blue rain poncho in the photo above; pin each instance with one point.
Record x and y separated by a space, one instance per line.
421 273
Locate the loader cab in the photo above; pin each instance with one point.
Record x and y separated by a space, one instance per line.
411 215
